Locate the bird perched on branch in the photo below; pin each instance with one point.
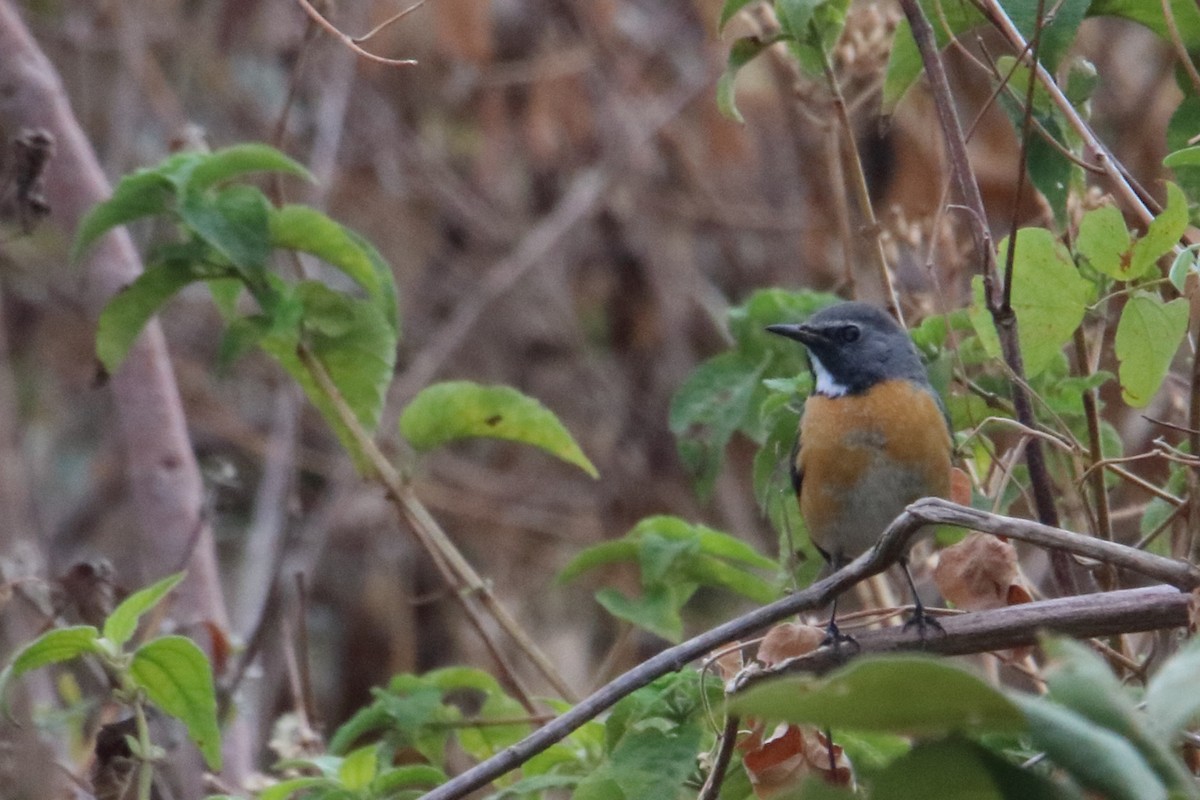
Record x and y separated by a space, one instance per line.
873 436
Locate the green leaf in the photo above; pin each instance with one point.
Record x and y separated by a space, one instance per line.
1105 242
1049 297
1097 758
958 769
949 20
177 678
712 572
649 763
598 555
413 775
1163 233
728 10
656 610
1081 681
459 409
144 193
1187 18
1173 694
355 342
714 401
52 647
899 694
234 222
242 159
1187 157
131 308
285 789
795 16
1148 336
358 767
123 621
1185 264
302 228
741 53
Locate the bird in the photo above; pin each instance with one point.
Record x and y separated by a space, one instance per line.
873 437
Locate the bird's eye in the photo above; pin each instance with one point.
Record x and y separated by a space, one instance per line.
849 333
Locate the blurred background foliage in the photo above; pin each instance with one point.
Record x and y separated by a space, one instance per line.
565 212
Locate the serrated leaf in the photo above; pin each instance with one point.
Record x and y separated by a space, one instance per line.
899 694
741 53
708 571
123 621
127 313
177 678
1148 337
454 410
1105 242
647 763
1097 758
358 768
234 222
1163 233
242 159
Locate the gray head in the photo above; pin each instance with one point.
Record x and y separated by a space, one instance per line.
853 346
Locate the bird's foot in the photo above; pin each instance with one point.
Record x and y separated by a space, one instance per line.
924 622
836 639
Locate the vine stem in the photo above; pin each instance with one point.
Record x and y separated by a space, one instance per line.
453 565
146 767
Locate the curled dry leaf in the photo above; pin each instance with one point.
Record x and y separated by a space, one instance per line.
980 573
960 487
789 640
790 754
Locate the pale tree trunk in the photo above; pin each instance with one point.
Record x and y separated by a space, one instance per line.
163 476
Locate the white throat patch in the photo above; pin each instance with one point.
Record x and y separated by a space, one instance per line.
826 384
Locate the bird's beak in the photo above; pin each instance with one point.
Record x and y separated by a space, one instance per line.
801 333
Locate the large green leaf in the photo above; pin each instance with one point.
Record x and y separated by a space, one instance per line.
1187 17
1049 297
52 647
1105 242
1096 757
177 678
649 763
900 694
123 621
1148 336
358 768
655 610
1162 235
131 308
454 410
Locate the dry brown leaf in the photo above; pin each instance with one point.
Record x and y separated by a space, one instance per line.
789 640
978 573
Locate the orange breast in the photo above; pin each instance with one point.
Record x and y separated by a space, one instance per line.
865 457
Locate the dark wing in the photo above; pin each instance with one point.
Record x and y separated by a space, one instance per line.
794 467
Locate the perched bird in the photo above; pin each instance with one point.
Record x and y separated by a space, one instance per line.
873 436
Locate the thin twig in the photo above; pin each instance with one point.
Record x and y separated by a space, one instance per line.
725 743
1095 452
1181 51
332 30
394 18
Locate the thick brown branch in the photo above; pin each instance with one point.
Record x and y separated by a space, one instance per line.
1082 617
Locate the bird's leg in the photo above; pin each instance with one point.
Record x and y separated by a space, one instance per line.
833 634
920 618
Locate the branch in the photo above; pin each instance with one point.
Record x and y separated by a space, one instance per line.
1149 608
352 43
892 544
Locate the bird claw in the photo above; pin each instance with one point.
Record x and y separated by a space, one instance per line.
923 622
835 638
